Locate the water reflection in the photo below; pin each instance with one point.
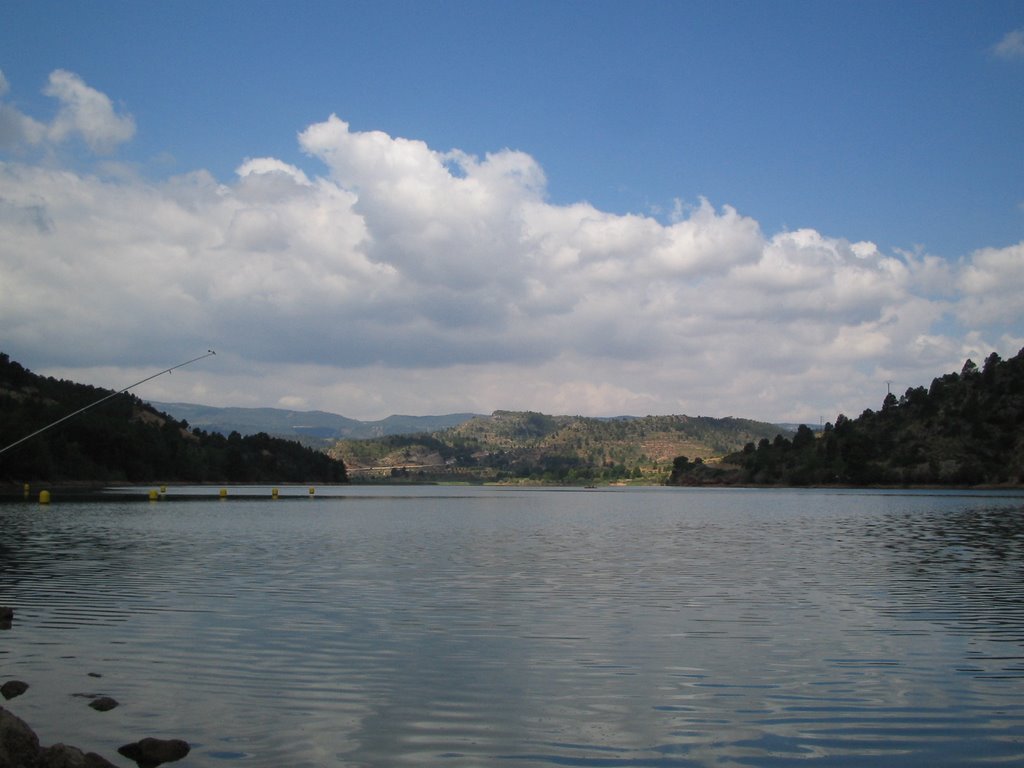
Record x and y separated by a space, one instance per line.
963 570
472 626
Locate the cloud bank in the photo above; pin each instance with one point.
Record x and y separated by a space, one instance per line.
405 279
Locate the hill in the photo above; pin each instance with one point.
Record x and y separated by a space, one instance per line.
316 428
513 445
126 440
966 429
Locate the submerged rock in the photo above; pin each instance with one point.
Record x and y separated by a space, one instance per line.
19 745
13 688
150 752
103 703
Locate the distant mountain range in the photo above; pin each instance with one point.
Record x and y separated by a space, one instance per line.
310 427
502 445
324 427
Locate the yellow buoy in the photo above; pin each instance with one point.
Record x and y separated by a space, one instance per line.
153 495
44 497
223 493
274 492
312 491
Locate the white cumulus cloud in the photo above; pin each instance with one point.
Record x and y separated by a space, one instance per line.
992 286
86 112
83 112
404 278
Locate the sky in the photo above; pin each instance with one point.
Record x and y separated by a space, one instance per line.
772 210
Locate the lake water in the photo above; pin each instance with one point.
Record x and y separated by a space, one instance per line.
438 626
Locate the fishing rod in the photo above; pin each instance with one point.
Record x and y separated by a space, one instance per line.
209 352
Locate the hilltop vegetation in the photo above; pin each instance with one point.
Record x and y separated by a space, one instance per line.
529 446
966 429
126 440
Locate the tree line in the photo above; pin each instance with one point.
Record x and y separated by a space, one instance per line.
966 429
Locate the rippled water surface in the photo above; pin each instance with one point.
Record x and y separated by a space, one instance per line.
493 626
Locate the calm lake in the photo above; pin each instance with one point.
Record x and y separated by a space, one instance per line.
465 626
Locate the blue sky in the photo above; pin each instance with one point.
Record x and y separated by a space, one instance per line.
899 125
890 122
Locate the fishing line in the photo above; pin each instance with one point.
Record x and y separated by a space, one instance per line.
62 419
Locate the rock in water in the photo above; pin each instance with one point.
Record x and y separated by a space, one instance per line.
13 688
149 752
103 703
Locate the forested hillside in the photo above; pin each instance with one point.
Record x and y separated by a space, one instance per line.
126 440
965 429
512 445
